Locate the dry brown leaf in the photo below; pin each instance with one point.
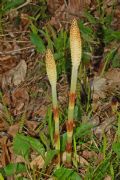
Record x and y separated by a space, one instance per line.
20 98
20 73
76 7
24 19
13 129
37 162
64 157
13 13
5 157
15 76
89 154
2 125
108 177
53 5
83 161
6 98
100 158
20 94
98 84
64 11
105 126
79 159
32 125
7 63
113 75
17 158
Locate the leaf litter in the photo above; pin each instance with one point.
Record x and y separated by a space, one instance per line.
23 91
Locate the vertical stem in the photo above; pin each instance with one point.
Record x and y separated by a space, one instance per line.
52 76
71 113
56 120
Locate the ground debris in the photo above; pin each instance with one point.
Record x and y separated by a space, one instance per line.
15 76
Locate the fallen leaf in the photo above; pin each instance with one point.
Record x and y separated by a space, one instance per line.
76 7
5 157
83 161
100 158
31 126
15 76
37 162
105 126
108 177
98 84
20 98
13 129
113 75
20 73
7 63
54 5
16 158
24 19
64 11
89 154
64 157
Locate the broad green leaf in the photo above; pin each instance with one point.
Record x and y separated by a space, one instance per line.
38 42
64 174
82 130
116 148
12 169
36 145
21 146
50 155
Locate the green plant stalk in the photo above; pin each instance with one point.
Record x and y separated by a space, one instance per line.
52 76
56 120
70 121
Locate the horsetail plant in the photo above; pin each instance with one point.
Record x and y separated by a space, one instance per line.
52 76
76 51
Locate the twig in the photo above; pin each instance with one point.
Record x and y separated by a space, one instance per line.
17 50
17 32
25 4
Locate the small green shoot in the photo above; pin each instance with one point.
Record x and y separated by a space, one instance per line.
6 113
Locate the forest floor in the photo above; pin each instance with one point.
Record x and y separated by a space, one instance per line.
27 29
